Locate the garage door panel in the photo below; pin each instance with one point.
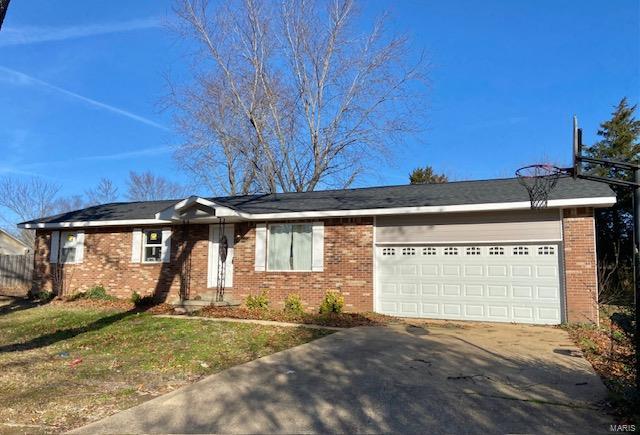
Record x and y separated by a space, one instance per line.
522 291
547 271
521 271
548 292
451 290
408 270
497 291
473 270
498 311
409 289
409 309
452 309
474 290
430 310
429 270
451 270
474 310
429 289
505 283
497 270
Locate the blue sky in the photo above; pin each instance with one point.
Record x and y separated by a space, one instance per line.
80 84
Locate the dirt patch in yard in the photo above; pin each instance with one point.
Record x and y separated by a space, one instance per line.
63 365
342 320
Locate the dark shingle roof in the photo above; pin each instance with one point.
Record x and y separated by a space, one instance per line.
454 193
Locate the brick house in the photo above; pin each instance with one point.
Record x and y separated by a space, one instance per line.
469 250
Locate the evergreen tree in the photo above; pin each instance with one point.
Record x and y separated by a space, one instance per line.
614 226
426 175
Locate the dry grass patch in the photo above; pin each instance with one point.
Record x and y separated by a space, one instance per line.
62 366
610 350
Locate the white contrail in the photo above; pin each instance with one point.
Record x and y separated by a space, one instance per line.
25 79
34 34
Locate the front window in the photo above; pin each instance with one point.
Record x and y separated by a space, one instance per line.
152 246
68 245
289 247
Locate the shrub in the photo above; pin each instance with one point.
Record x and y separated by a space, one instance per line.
136 298
257 302
98 292
293 304
333 302
45 296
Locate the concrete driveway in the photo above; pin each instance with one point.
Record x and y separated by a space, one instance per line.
482 378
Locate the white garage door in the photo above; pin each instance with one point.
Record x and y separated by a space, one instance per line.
499 283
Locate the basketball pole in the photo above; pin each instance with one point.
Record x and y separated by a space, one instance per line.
636 269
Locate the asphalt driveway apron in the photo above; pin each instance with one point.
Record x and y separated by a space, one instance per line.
484 378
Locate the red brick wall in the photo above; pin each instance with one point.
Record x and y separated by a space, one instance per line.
107 261
580 268
348 267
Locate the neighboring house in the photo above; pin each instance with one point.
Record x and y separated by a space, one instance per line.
469 250
9 245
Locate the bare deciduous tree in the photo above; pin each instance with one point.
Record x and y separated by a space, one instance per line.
23 200
289 96
148 187
103 193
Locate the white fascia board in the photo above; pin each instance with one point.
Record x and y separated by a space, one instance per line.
85 224
500 206
606 201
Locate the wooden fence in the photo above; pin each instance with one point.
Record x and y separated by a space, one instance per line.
16 272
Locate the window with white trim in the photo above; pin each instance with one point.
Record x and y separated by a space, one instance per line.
152 246
408 251
450 250
388 251
290 247
68 246
429 251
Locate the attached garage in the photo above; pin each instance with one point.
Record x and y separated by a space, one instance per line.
499 267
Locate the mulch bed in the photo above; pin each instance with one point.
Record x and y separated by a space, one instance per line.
610 350
342 320
113 304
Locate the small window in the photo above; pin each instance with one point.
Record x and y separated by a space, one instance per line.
68 246
408 251
290 247
450 250
429 251
152 246
520 250
496 250
388 251
473 250
546 250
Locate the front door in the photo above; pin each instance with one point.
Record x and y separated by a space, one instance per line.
218 269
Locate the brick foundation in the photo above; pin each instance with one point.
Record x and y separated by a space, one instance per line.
580 268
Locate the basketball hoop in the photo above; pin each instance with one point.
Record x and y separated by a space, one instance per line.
539 180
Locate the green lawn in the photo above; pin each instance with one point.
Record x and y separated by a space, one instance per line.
62 367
